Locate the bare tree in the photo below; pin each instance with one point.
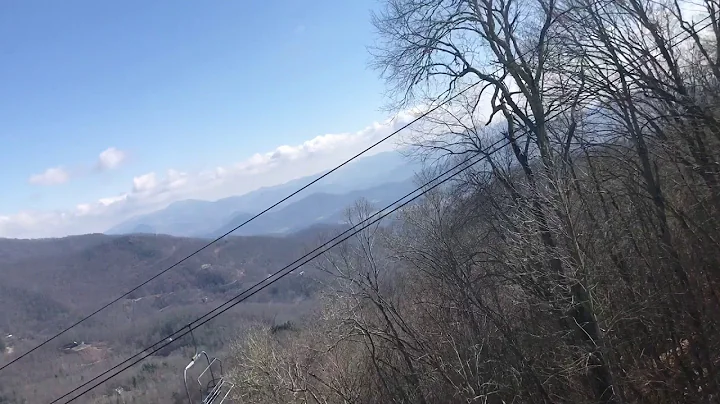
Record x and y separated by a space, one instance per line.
514 48
576 264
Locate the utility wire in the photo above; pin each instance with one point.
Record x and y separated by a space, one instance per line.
246 294
124 295
117 299
168 340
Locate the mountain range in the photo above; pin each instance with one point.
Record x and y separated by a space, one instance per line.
380 178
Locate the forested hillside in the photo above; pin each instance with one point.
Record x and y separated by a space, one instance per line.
580 263
49 284
576 259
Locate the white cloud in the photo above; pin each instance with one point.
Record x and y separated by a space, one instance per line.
176 179
51 176
113 199
152 191
111 158
83 209
144 183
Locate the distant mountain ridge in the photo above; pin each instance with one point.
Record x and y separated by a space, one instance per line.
378 177
316 209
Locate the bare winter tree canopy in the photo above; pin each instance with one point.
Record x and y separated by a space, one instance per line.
578 264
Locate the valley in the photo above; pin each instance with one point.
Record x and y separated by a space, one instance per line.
570 256
73 276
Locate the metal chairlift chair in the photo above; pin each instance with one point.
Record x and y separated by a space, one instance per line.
213 386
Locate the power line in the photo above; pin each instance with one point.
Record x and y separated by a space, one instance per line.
117 299
276 276
168 340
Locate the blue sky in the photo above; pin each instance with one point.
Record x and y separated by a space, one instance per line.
171 85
